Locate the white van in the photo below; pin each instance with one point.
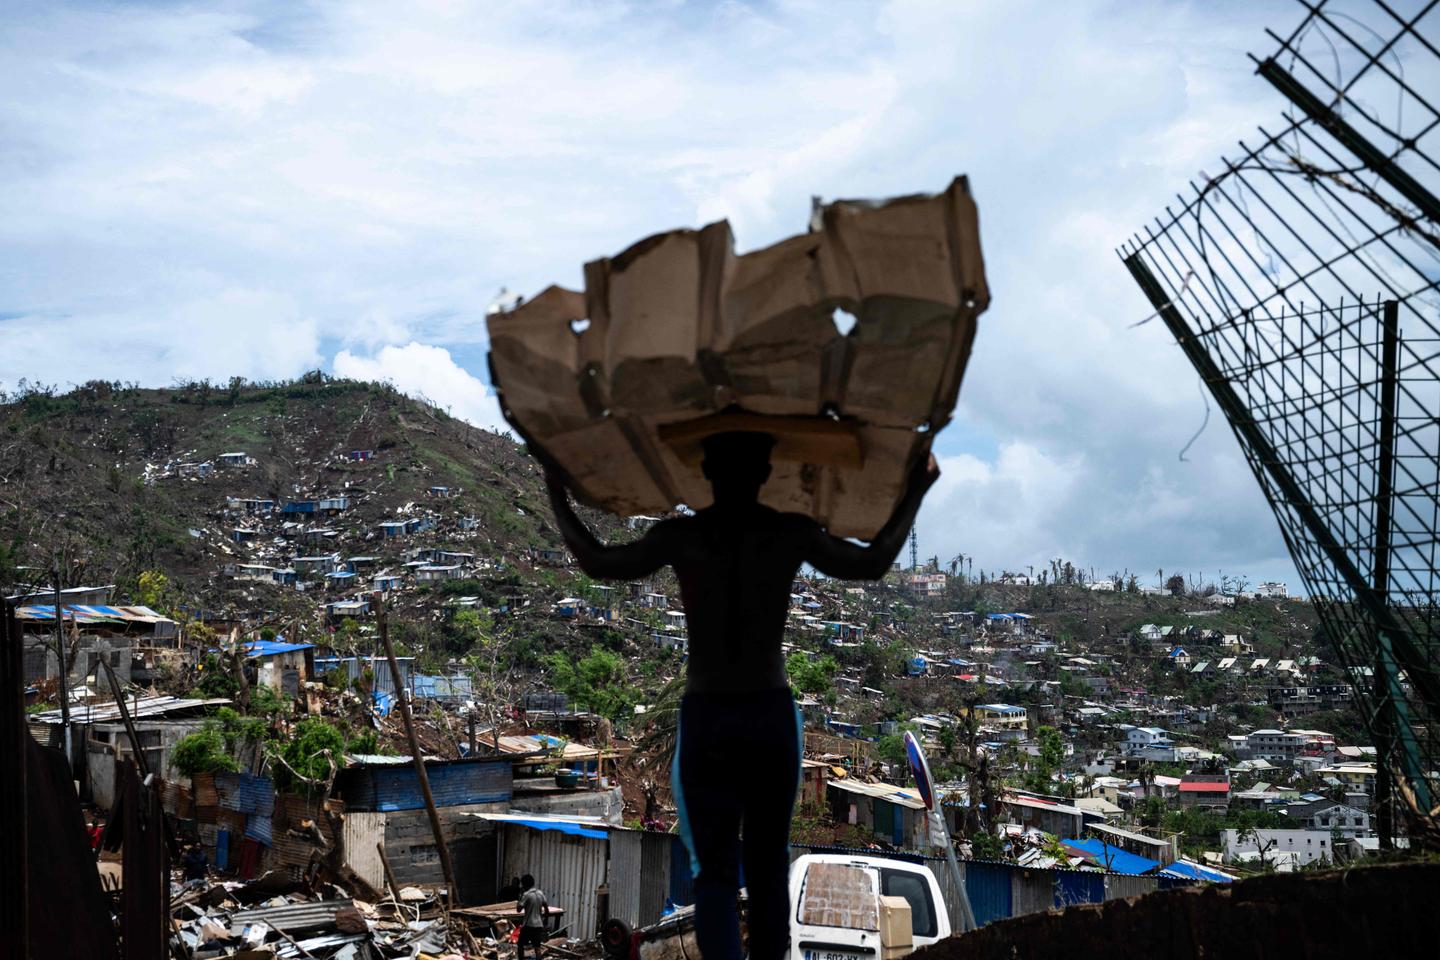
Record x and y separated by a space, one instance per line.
836 903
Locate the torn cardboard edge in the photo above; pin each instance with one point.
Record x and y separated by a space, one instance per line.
619 384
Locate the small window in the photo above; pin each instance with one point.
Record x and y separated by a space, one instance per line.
913 887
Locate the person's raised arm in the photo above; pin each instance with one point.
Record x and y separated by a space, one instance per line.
835 557
623 562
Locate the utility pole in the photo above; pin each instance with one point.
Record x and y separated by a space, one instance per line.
64 674
453 900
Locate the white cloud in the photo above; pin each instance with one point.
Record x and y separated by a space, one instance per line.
250 187
429 373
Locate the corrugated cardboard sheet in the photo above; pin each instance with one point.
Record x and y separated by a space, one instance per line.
839 895
678 328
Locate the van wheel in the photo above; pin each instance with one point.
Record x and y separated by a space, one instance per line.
615 938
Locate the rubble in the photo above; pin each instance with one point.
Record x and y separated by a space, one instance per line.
218 920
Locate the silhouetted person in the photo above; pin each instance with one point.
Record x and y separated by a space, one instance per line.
532 906
740 738
196 865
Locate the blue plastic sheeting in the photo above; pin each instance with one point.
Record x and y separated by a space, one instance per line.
1073 888
383 703
1192 871
682 880
222 849
1113 859
573 829
269 648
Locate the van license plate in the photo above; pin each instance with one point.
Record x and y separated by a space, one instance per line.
835 955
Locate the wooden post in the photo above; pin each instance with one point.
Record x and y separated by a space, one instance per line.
64 678
454 892
237 661
141 761
389 873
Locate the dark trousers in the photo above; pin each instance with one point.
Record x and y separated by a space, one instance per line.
737 763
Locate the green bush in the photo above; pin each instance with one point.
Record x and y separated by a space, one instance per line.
203 752
309 753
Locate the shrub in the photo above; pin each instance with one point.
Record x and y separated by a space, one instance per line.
309 754
203 752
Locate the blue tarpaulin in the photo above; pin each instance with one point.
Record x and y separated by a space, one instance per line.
1193 871
573 829
1111 858
269 648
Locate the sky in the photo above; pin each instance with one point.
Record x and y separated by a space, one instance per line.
216 189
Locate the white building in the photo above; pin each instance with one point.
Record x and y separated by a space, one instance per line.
1150 743
927 584
1328 816
1278 847
1276 745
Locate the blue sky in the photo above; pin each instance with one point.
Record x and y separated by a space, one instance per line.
203 190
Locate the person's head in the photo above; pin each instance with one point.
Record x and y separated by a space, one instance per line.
526 882
737 464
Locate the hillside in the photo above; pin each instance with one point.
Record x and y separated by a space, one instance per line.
99 476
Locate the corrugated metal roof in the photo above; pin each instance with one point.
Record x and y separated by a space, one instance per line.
519 745
292 918
91 613
142 707
1128 835
571 827
882 791
1185 870
1036 804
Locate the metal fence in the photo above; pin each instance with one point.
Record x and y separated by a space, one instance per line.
1303 283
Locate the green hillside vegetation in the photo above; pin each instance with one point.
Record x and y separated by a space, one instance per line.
81 473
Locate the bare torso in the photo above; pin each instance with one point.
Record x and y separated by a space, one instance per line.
735 568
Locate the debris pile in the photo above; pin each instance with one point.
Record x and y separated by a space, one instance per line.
273 917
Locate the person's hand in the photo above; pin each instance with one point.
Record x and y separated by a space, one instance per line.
554 476
924 474
554 479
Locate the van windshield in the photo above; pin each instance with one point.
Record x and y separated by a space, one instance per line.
912 886
839 895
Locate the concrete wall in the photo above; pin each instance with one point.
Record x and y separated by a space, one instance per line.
609 804
410 848
107 742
